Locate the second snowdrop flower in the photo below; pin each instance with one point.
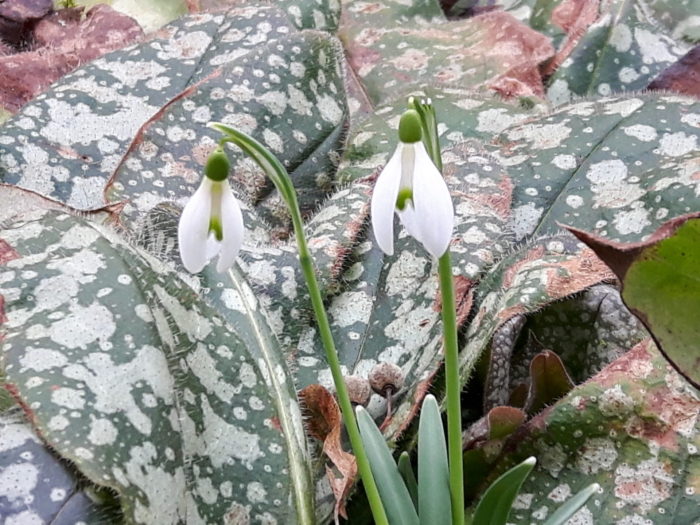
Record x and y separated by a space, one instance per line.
412 187
211 222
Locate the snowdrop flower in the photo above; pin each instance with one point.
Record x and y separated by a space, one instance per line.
211 222
412 186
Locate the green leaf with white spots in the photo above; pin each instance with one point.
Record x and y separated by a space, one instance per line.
323 15
532 277
392 46
133 124
660 285
587 331
37 487
386 308
189 414
617 167
463 116
374 302
680 17
633 429
623 50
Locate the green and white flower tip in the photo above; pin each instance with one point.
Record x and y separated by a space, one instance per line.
412 187
211 222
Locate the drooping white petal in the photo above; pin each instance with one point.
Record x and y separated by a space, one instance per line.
232 226
434 212
213 246
386 190
193 228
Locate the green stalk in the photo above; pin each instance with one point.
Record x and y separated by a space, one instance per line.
449 326
454 408
279 176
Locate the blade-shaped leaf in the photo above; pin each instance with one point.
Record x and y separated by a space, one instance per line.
409 478
395 496
572 505
434 505
494 506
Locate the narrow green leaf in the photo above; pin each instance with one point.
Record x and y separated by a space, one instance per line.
395 495
572 505
494 507
434 505
409 478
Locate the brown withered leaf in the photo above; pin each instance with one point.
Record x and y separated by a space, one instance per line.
64 40
17 17
324 422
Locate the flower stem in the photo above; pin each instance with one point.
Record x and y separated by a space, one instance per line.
279 176
324 328
431 140
454 409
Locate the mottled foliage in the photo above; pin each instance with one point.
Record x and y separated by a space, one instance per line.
179 392
633 428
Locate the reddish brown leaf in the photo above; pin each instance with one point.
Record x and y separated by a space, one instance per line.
549 381
682 77
16 17
519 48
3 317
324 422
464 294
65 40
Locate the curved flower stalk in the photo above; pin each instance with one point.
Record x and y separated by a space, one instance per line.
211 222
280 178
411 186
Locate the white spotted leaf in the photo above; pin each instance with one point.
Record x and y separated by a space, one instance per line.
633 429
618 167
188 414
37 487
